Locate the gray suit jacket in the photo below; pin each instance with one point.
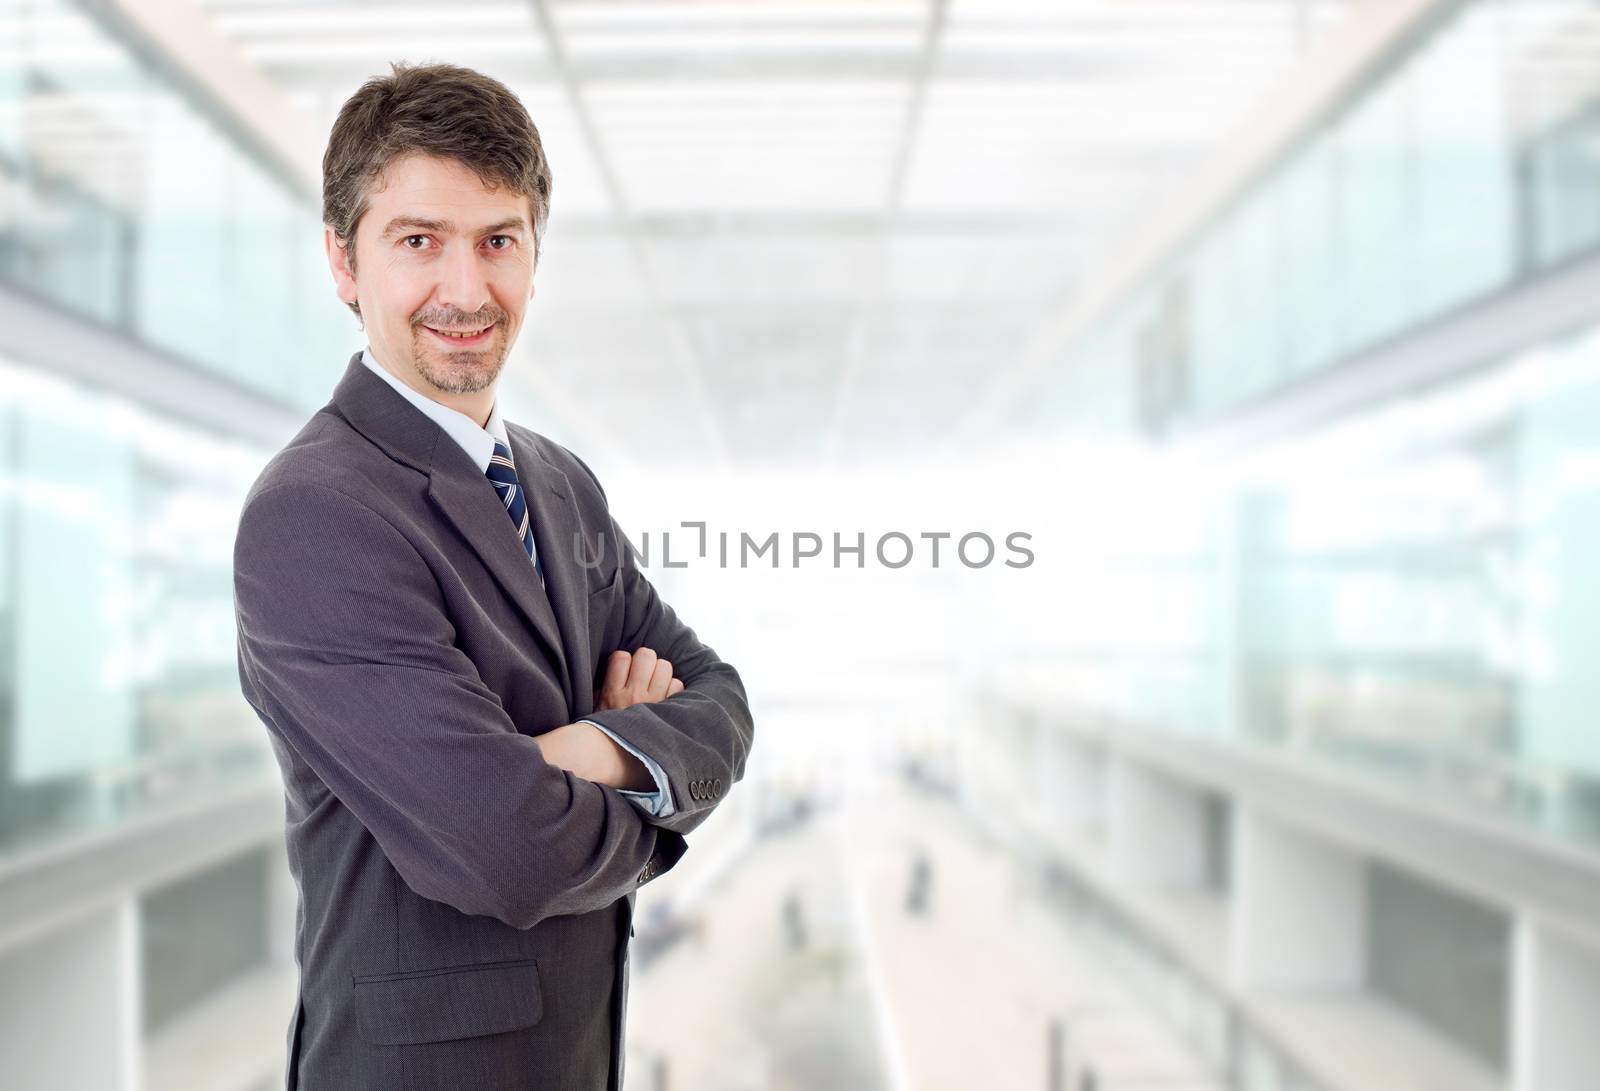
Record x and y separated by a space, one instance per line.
464 906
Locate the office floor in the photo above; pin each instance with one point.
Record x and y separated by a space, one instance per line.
874 995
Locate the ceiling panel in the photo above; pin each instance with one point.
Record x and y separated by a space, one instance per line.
795 230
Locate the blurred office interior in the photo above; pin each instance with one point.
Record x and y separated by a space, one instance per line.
1272 325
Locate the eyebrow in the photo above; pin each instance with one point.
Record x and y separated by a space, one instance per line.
422 223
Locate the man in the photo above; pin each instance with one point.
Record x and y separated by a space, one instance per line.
428 598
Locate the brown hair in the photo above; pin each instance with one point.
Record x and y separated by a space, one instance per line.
435 109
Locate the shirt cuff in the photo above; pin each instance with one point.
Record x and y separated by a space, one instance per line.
659 802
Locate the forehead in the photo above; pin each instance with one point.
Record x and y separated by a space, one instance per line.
430 187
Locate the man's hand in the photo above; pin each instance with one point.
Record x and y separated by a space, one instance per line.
639 678
588 752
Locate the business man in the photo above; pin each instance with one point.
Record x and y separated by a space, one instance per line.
423 626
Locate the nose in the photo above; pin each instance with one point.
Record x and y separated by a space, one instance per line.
462 285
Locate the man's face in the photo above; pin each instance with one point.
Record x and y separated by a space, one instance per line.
438 252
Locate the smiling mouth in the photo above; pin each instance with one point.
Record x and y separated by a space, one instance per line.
463 336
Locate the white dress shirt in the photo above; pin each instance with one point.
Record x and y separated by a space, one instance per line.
478 442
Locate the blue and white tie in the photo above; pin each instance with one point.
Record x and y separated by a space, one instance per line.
503 472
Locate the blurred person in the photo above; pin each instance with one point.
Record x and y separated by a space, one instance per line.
491 732
919 888
794 920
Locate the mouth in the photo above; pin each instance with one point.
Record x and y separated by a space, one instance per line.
462 339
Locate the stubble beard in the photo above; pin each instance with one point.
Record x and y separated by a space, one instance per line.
460 372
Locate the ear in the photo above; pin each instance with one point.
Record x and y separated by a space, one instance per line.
344 280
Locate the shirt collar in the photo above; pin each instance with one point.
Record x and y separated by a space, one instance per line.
477 441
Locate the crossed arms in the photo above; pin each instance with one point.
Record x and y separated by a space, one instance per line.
344 648
631 678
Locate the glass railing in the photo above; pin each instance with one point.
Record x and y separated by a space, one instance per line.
124 201
1406 596
1468 164
1239 1052
119 691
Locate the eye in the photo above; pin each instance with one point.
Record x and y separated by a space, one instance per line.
407 241
508 240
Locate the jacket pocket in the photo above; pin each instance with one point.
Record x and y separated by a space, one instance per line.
449 1002
604 620
610 586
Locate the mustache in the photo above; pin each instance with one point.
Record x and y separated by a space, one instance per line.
459 321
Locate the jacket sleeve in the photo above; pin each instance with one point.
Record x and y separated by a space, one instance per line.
345 649
700 736
658 802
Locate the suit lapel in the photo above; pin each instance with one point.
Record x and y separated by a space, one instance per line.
556 531
475 509
468 500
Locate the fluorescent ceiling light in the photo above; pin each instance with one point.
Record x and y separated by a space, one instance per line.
363 18
780 40
466 48
629 15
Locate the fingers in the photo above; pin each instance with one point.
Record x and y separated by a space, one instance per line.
639 675
633 678
648 677
613 690
617 672
660 678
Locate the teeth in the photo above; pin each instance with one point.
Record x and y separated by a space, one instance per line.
448 333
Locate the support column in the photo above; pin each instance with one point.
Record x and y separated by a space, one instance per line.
1299 913
70 1010
1555 1011
1156 829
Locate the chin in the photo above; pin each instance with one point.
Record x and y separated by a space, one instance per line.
461 372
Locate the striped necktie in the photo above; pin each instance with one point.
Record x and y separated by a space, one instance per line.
503 472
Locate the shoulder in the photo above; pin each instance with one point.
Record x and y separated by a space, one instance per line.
303 537
326 480
328 458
